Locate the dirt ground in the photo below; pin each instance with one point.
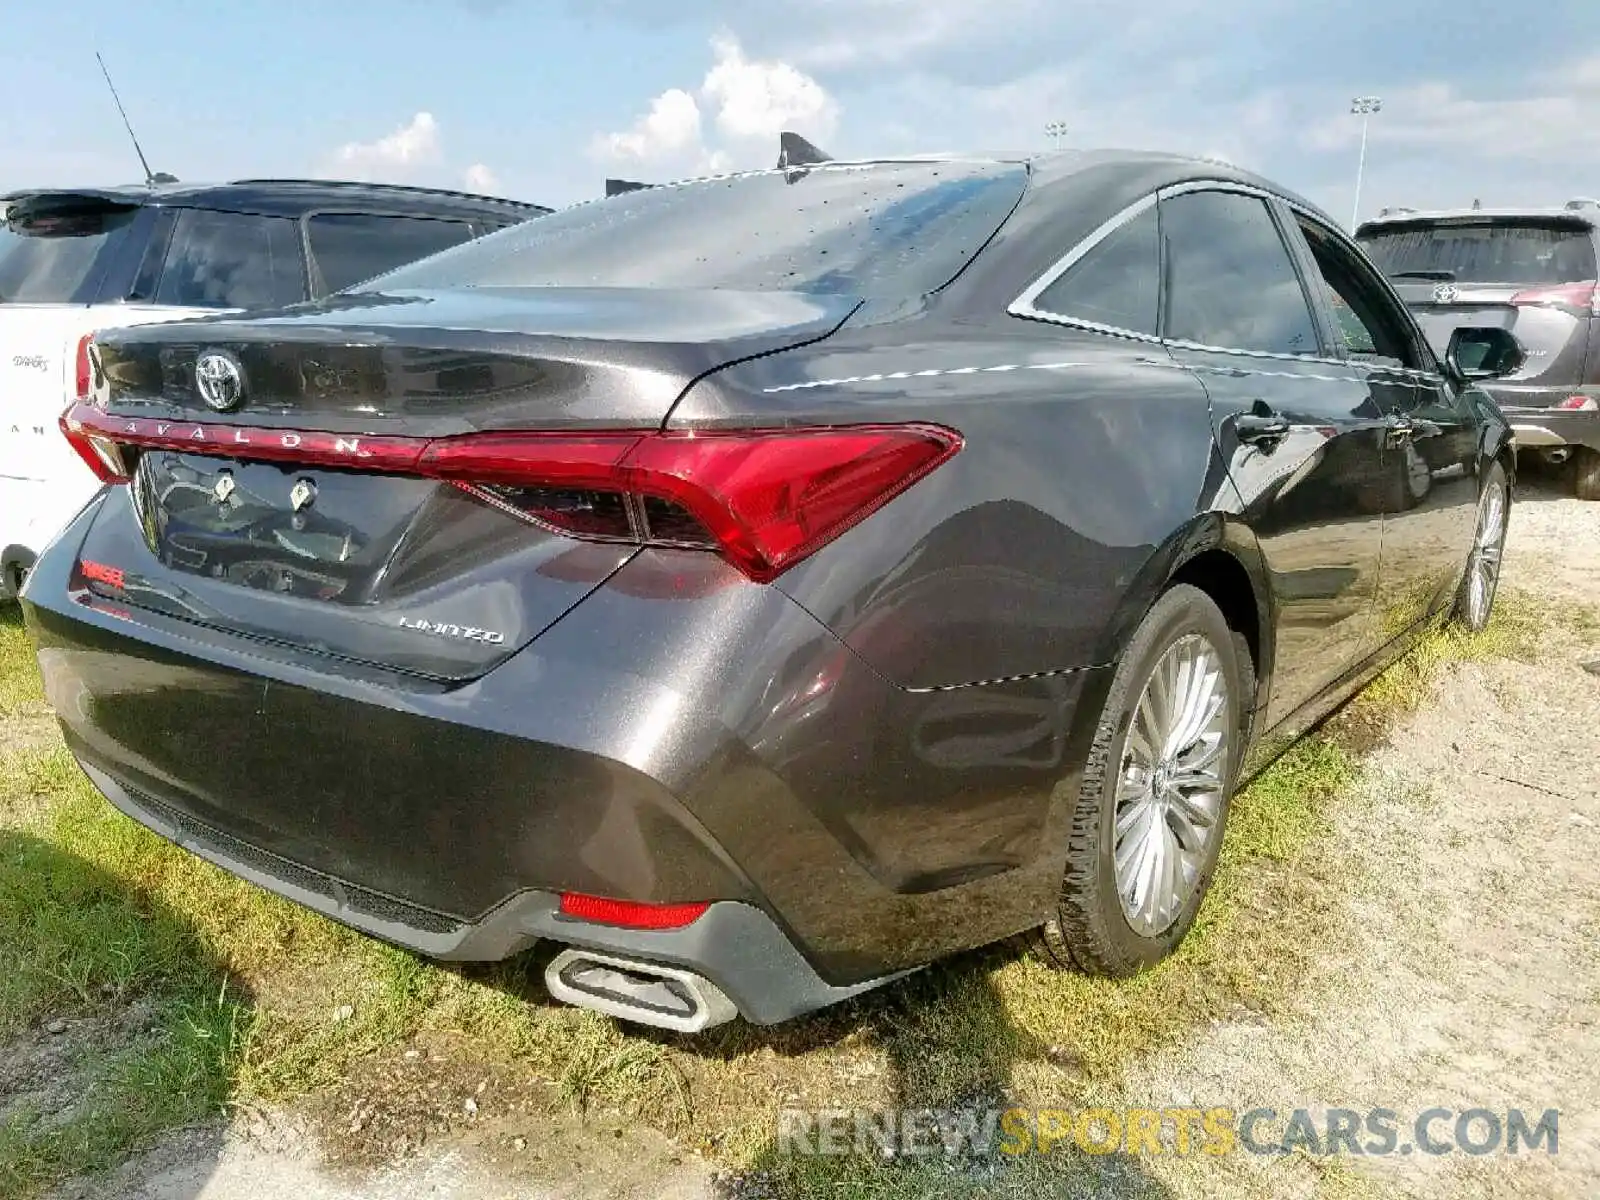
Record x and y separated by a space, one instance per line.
1473 981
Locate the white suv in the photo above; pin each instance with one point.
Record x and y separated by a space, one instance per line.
76 260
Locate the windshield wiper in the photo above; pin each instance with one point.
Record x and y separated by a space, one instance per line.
1445 275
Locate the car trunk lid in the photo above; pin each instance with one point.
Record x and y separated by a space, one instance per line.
349 503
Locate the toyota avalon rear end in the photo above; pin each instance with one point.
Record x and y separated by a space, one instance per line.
423 607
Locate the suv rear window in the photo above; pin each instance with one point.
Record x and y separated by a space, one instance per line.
51 250
1485 251
351 247
233 260
884 230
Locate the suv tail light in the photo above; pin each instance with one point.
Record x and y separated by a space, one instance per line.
1578 404
1585 297
83 375
762 498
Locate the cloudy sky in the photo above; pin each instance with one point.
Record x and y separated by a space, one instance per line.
542 99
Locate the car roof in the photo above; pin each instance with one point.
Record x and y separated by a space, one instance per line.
1577 212
291 197
1149 168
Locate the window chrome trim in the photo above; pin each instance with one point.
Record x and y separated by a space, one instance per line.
1025 306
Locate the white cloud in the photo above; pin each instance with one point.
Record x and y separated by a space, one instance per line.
671 127
479 178
1556 121
747 101
758 99
396 156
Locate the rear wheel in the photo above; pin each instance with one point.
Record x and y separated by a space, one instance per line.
1586 473
1149 817
1475 600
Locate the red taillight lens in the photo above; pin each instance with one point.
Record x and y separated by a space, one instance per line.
770 498
1583 296
764 499
1578 404
83 373
97 450
629 913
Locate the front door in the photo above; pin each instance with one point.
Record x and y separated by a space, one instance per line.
1430 474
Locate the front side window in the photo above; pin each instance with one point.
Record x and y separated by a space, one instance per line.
1367 319
880 231
352 247
233 260
1117 283
1230 281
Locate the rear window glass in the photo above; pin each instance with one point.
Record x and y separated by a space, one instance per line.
351 247
233 260
886 230
51 253
1485 251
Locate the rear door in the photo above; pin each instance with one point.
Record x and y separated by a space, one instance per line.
1532 275
1430 481
1299 429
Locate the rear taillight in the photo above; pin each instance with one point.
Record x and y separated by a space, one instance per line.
1578 404
1585 297
82 367
631 914
764 499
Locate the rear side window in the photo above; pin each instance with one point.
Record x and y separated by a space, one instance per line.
1230 280
886 230
352 247
1485 251
233 260
1117 283
55 252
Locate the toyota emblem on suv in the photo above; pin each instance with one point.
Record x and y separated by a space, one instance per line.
219 379
1445 293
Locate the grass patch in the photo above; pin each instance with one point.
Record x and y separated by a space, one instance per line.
20 690
255 1000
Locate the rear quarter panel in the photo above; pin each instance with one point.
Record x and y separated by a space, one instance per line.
1083 454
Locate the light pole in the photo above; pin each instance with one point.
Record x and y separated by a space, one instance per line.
1056 131
1364 107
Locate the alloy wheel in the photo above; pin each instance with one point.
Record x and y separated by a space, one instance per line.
1170 788
1483 567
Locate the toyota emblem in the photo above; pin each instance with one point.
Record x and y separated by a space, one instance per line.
1446 293
219 379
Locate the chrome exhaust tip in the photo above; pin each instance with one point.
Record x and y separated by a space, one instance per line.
643 992
1557 455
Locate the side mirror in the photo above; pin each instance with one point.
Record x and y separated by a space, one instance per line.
1483 352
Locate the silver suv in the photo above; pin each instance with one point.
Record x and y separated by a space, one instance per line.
1531 271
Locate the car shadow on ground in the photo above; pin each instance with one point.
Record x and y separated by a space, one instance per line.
1538 480
116 1025
941 1044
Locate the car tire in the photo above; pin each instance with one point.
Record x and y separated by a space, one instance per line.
1481 579
1093 928
1586 474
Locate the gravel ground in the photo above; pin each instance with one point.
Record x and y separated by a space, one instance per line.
1475 842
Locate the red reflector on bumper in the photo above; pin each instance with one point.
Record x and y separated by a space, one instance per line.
630 913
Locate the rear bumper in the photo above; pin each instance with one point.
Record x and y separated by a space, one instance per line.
1537 425
32 512
651 746
735 945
